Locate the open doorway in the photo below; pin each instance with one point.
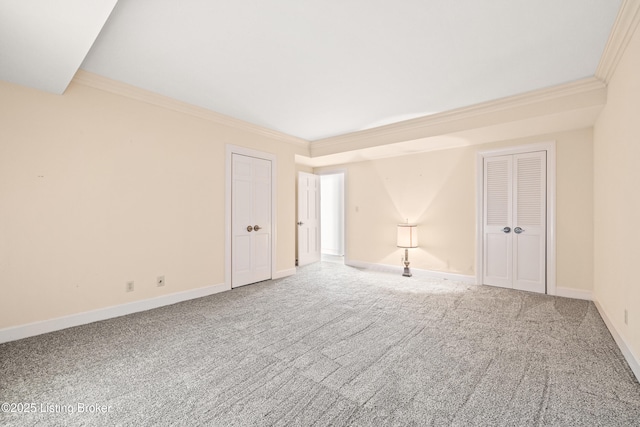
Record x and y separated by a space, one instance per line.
332 231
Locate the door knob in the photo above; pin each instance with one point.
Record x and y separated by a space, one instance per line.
256 227
249 228
300 222
506 229
518 230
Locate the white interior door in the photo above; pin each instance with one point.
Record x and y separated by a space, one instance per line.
250 220
514 230
308 218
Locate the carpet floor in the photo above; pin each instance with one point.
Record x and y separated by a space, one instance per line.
332 345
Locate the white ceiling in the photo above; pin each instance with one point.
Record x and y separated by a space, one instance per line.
312 69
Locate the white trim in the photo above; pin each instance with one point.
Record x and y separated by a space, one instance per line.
619 38
332 252
36 328
235 149
284 273
95 81
574 293
550 148
632 360
417 272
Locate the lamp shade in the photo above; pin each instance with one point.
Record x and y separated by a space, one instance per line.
407 236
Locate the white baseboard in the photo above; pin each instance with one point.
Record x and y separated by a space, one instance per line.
36 328
470 280
632 360
283 273
331 252
574 293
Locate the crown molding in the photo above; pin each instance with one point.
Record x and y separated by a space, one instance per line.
570 96
621 33
96 81
578 94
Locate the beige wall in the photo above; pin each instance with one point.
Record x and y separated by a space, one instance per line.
97 189
617 199
437 190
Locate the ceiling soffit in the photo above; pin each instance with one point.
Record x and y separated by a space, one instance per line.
43 42
573 96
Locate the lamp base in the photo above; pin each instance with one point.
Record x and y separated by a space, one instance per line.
405 261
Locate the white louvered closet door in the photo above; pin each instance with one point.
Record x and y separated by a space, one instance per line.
529 221
498 214
514 231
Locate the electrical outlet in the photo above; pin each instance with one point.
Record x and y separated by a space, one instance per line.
160 281
129 287
626 317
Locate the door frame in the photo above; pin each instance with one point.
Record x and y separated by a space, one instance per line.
230 151
550 148
345 196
